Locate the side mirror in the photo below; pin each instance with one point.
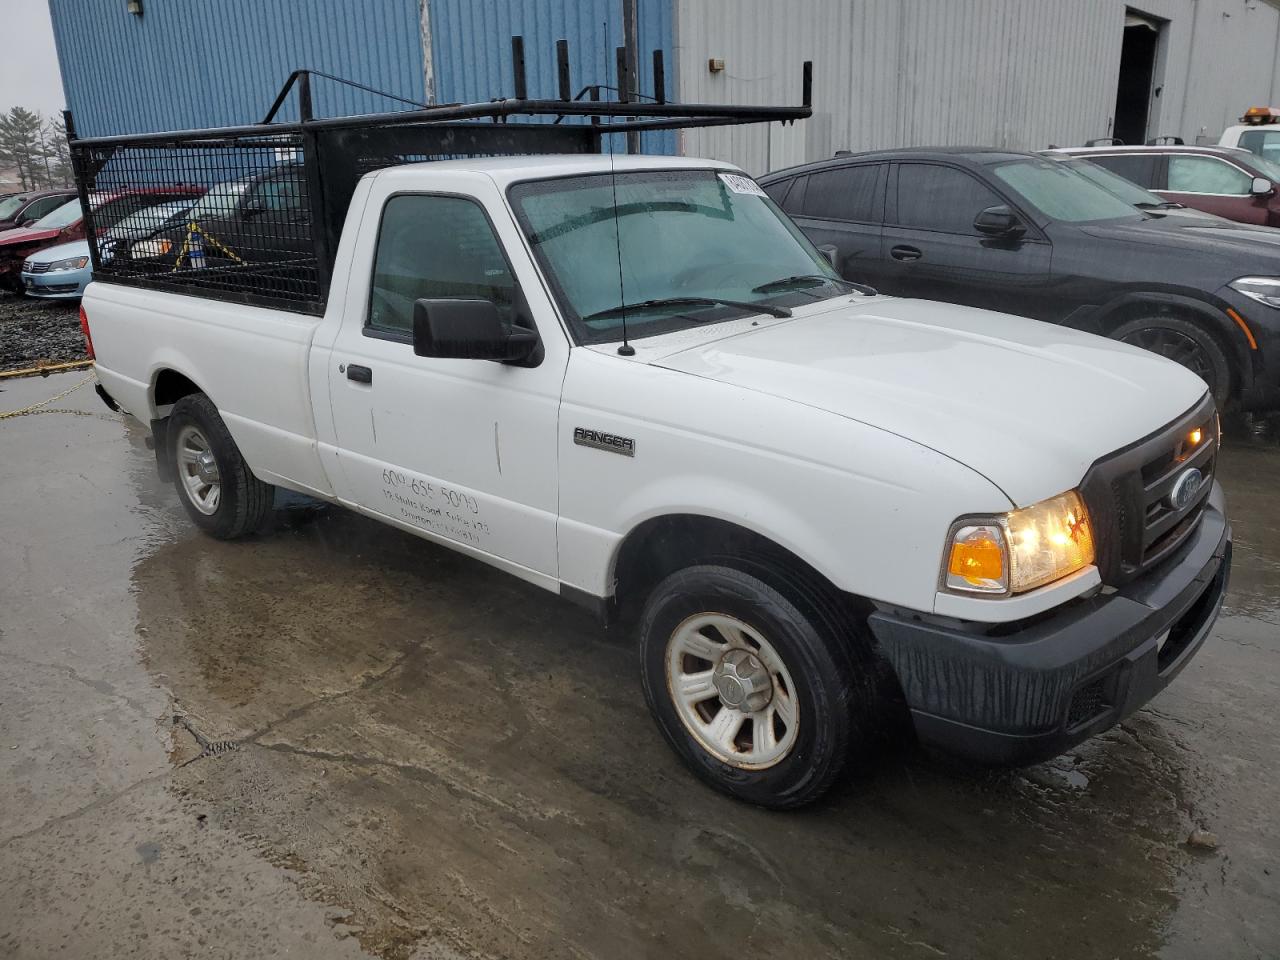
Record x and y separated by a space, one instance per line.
1262 187
831 252
253 207
999 221
468 330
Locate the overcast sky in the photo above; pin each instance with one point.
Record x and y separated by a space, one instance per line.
29 65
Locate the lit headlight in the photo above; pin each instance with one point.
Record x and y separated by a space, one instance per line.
72 263
1263 289
145 249
1019 551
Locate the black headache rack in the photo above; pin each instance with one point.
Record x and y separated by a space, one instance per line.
273 196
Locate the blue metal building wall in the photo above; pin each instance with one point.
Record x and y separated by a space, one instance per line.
471 48
201 63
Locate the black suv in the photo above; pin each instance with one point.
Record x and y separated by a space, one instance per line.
1028 235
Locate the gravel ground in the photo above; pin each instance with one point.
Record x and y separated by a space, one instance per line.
38 331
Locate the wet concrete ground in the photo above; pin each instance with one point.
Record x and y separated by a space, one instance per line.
407 754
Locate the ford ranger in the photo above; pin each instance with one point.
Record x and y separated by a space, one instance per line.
633 382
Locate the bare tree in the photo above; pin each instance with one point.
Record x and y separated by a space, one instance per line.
59 153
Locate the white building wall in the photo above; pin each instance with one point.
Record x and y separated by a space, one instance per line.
1021 74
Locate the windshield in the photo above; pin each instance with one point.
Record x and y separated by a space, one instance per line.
221 200
686 234
1126 190
1262 143
1267 167
11 205
1060 193
66 214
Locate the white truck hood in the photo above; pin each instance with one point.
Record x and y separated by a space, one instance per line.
1027 404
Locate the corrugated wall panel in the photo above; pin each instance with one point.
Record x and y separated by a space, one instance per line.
199 64
890 73
471 47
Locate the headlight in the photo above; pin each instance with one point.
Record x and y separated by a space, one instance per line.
1263 289
145 249
1019 551
72 263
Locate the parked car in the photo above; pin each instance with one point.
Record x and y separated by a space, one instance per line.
146 223
1022 234
1258 132
60 272
1229 182
63 271
67 223
631 381
258 219
20 209
1127 190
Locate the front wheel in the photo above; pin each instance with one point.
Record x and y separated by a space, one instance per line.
753 693
1182 342
219 492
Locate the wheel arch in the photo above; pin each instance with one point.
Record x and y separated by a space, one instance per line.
660 545
168 385
1210 315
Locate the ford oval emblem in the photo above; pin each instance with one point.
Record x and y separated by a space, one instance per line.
1185 489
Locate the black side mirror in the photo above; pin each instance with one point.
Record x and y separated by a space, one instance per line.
999 221
253 207
832 253
469 330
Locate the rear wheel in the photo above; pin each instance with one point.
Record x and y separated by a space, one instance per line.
752 688
1183 342
219 492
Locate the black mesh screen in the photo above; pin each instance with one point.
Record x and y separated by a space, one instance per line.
256 218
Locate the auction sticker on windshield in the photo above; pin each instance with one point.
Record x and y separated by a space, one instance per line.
741 184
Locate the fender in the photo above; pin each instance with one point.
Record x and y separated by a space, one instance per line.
1097 319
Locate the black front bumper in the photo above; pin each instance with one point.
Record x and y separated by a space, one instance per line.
1024 692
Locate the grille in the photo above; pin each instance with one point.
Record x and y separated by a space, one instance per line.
1088 703
30 267
1129 494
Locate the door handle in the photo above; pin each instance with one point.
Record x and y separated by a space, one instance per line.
359 374
903 252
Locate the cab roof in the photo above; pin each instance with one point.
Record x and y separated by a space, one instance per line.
506 170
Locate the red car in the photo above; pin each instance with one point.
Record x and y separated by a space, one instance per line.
19 209
1226 181
66 222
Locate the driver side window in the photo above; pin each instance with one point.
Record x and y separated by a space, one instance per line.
435 247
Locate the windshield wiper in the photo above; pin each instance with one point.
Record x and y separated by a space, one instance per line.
812 279
1165 205
688 302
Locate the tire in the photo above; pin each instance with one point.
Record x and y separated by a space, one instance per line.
1184 342
787 751
227 501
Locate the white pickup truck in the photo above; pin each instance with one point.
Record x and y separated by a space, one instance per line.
635 383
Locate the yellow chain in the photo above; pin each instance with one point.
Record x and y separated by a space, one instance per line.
192 229
35 407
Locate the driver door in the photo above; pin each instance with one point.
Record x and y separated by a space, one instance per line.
461 451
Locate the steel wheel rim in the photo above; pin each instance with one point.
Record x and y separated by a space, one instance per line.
198 470
700 655
1176 346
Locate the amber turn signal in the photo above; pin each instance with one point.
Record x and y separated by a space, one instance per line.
977 560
